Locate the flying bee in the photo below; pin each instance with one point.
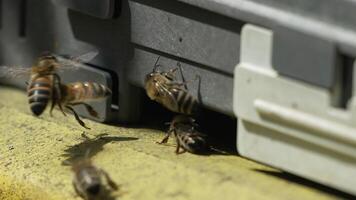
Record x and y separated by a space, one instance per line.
163 88
79 93
44 81
187 137
87 180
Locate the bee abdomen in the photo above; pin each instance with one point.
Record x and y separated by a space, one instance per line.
39 93
99 90
187 104
87 91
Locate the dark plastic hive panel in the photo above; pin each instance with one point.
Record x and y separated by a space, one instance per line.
97 8
203 35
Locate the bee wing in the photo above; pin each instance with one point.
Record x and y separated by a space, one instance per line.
166 93
75 62
14 71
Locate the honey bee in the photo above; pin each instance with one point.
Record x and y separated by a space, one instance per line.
187 137
163 88
87 180
44 80
79 93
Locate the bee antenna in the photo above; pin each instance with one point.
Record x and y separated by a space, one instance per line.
155 66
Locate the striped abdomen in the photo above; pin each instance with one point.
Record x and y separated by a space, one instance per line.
191 141
88 181
185 102
86 91
39 94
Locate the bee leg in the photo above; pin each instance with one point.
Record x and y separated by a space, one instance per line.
57 87
181 73
170 73
53 103
183 83
111 183
178 146
180 152
77 117
76 189
177 149
89 108
56 92
156 65
165 139
91 111
61 108
199 89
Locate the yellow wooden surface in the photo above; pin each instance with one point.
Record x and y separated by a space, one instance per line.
32 150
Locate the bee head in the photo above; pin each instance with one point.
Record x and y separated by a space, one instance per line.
198 144
46 62
151 77
151 85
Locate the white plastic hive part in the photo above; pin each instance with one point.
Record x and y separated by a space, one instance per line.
256 43
290 124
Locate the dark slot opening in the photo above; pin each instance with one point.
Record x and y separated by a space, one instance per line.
344 82
22 18
1 17
115 88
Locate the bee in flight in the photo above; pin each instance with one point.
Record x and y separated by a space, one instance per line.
79 93
187 137
87 180
163 88
44 81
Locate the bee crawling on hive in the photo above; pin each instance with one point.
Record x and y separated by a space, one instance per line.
187 137
163 88
87 180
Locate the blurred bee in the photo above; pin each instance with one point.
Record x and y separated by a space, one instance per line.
87 180
79 93
44 81
187 137
163 88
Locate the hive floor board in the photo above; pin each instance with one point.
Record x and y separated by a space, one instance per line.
32 150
